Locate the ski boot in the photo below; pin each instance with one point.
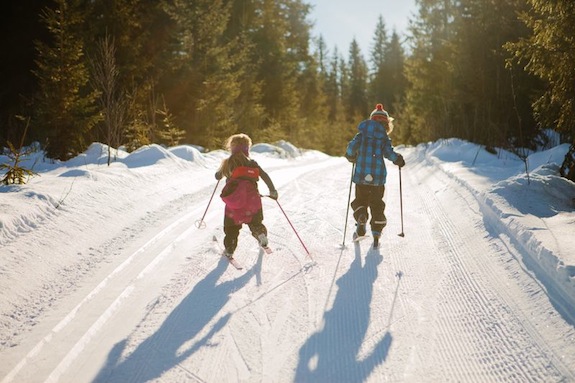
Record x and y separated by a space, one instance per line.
228 253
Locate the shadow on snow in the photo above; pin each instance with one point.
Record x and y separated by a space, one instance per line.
161 351
332 353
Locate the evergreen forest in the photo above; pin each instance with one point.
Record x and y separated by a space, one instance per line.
135 72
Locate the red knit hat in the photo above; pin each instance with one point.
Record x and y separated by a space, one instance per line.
379 111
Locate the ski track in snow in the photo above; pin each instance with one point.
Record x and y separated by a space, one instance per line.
440 304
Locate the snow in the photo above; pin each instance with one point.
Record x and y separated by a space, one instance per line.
110 273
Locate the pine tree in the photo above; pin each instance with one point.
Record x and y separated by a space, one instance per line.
111 99
168 131
387 83
493 100
395 66
549 53
379 77
341 128
65 105
248 111
356 101
332 89
202 85
14 172
429 70
313 108
281 40
140 31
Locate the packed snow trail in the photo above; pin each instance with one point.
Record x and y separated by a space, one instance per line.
447 302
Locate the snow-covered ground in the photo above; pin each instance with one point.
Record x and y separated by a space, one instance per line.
105 275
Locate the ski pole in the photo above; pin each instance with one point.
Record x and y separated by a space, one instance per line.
401 204
294 230
348 201
200 224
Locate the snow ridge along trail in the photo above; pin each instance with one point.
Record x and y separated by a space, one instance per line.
448 302
482 331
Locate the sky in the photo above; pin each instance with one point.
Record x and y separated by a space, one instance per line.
115 274
340 21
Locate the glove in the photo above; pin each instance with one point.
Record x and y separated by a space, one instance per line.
399 161
274 194
350 158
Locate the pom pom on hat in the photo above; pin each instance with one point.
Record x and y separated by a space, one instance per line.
379 111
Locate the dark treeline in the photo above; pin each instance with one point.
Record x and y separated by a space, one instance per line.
134 72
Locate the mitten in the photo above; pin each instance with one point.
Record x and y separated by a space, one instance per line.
399 161
273 194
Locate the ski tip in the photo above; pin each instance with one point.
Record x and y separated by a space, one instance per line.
234 263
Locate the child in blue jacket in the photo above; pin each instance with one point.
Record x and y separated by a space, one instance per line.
367 150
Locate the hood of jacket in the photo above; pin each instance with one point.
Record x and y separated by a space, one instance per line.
372 128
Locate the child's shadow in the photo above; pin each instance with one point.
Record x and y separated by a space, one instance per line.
331 355
161 351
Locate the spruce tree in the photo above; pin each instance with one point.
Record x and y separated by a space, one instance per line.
65 105
379 77
387 78
549 53
248 111
356 101
493 99
140 30
202 85
429 69
395 66
313 108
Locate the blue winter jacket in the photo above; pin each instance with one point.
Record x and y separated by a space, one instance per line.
368 148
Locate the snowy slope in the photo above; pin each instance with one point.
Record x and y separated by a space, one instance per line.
106 277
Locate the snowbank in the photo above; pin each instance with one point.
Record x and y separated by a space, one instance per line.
534 210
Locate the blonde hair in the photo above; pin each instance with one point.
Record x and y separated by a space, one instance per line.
239 146
389 125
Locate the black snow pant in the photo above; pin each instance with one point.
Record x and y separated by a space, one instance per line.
369 197
232 230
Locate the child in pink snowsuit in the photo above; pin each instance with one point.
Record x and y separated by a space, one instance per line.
241 195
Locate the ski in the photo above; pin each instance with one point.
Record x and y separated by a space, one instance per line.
231 259
357 238
263 242
233 262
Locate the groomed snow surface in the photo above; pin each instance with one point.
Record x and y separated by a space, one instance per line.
105 275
